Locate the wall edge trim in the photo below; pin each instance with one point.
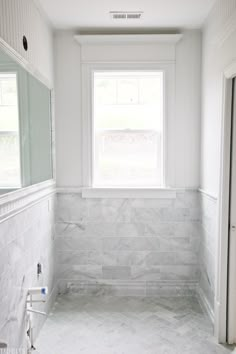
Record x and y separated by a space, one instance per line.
15 202
204 303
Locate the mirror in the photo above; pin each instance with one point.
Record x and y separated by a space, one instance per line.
25 127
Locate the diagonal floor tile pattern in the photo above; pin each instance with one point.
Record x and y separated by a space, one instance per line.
127 325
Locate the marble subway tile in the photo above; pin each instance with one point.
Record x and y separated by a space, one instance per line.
80 272
116 272
104 229
180 272
109 211
188 199
145 274
176 214
129 229
173 289
71 207
80 257
131 238
160 258
175 243
171 258
131 244
154 228
144 215
124 258
79 244
151 203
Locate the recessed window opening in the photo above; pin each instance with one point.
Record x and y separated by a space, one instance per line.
10 172
128 129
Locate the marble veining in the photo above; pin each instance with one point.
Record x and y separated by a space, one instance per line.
127 325
208 245
26 238
128 240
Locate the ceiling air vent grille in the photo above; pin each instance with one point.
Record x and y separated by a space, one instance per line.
120 15
134 16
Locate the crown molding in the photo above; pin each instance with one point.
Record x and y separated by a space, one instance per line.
127 38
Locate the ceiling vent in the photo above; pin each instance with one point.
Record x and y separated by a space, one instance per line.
122 15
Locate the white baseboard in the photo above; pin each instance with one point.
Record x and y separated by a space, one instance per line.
204 303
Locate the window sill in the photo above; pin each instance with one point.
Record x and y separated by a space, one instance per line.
145 193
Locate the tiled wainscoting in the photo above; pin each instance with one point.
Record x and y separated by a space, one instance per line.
120 247
27 237
207 252
143 247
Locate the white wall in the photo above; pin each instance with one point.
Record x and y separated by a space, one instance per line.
219 50
68 110
188 110
19 18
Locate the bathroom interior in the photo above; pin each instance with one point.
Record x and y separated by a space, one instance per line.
110 171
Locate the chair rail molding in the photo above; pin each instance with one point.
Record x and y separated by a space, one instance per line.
14 202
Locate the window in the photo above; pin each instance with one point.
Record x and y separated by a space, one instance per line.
10 175
128 129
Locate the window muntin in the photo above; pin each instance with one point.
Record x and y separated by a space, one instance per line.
10 172
128 121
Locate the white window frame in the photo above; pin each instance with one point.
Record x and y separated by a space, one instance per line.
168 189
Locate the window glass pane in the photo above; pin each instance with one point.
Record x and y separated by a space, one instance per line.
9 132
128 128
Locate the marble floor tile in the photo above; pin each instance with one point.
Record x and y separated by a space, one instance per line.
127 325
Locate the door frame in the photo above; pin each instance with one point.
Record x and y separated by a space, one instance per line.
222 332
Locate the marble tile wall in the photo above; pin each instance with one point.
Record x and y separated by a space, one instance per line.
26 238
128 246
208 247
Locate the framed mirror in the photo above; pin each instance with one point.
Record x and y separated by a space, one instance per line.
25 127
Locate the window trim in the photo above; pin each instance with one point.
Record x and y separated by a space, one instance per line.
93 131
168 69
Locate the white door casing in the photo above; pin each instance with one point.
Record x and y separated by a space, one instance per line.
231 332
221 294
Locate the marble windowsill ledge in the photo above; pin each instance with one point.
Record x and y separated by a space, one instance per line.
145 193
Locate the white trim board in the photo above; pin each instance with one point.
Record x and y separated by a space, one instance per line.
221 291
127 38
14 202
205 305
